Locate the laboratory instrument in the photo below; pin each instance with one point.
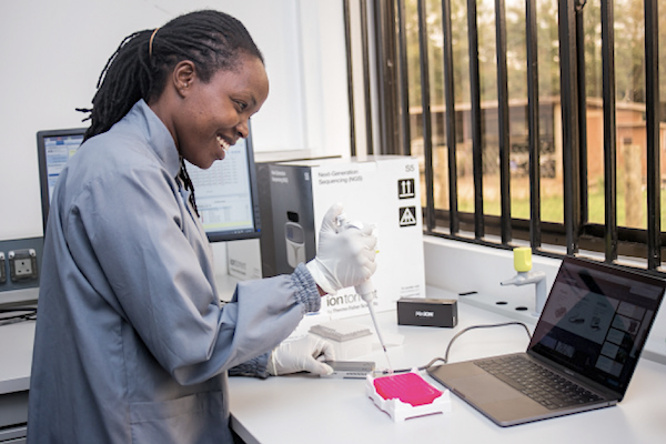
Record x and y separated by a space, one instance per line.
522 262
366 289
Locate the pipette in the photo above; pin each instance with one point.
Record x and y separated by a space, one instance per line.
367 289
367 292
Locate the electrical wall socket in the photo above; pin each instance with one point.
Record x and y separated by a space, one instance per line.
20 266
23 264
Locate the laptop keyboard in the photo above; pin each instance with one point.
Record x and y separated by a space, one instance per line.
543 386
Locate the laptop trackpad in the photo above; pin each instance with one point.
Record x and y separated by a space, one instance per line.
483 388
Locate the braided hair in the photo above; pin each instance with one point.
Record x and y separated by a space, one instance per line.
139 68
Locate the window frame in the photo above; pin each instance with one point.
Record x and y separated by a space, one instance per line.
609 242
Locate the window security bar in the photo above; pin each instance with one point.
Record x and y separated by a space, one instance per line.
578 232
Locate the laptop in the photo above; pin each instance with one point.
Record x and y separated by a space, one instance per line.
589 337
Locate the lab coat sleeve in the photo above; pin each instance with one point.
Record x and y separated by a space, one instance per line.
257 367
137 230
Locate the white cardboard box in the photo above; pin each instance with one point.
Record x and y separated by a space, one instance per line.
381 190
243 259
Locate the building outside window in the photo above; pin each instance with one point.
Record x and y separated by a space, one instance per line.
611 89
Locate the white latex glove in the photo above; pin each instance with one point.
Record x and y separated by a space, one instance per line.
345 257
301 355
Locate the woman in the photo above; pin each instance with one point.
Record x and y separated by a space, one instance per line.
131 343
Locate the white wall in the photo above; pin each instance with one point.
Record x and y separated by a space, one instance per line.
53 51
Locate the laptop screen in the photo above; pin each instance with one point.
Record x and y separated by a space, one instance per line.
596 320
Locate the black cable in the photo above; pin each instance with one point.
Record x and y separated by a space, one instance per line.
15 309
25 314
473 327
445 359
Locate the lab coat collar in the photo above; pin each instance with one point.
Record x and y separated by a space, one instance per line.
158 136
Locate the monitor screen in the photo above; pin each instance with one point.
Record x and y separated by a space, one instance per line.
226 193
54 149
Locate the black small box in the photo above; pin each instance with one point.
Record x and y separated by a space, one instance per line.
428 312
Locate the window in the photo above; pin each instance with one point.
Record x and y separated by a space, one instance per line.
533 122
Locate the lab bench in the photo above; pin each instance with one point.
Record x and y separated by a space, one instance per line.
303 409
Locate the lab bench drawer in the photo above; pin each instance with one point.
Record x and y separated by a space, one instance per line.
13 435
13 411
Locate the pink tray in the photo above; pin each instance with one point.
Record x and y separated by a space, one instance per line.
407 387
406 395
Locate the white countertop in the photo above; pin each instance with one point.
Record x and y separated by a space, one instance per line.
303 409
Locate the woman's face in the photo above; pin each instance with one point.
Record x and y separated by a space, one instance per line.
212 116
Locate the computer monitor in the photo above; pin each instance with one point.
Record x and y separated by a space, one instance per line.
227 196
54 149
226 193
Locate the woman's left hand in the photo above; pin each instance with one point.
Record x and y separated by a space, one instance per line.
304 354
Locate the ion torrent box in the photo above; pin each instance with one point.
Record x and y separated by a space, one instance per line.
381 190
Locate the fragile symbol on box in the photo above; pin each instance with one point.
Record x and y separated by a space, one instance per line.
407 216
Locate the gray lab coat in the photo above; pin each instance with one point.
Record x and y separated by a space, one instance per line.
132 345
